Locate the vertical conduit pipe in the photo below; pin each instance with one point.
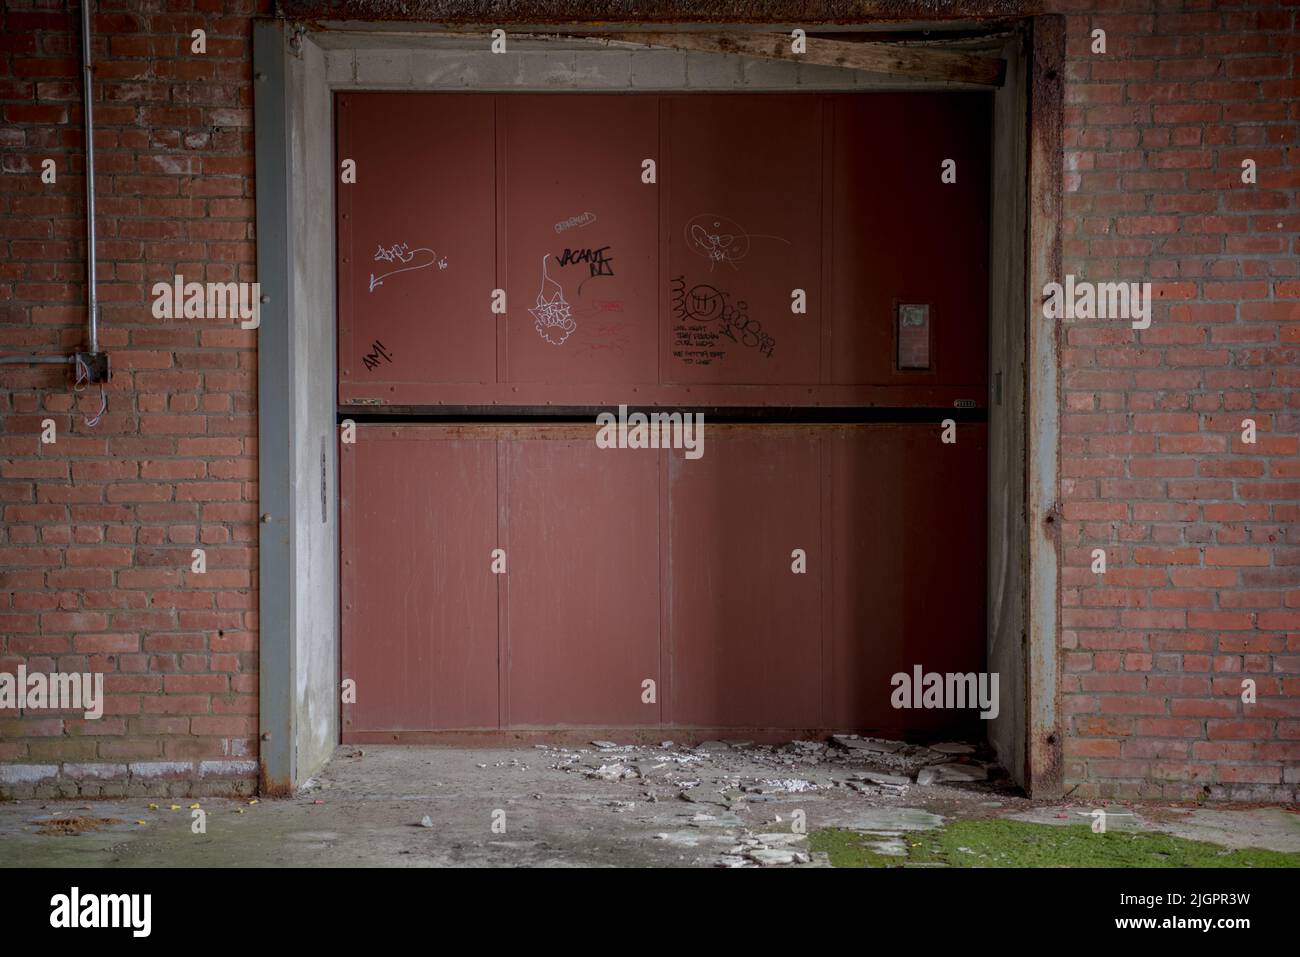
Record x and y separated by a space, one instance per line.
92 297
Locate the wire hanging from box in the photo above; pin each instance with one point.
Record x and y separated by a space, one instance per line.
83 375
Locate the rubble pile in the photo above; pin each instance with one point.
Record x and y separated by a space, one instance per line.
873 766
724 779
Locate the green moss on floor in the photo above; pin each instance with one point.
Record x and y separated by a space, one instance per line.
1022 844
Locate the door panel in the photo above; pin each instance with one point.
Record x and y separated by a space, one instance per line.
416 242
584 583
746 630
902 235
419 614
889 520
744 216
584 298
907 550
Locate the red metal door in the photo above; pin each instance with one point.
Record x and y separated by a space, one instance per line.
793 251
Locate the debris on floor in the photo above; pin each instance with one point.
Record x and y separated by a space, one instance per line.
723 782
766 850
685 807
871 766
855 743
74 825
953 747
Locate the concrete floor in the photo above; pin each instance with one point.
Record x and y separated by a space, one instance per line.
573 807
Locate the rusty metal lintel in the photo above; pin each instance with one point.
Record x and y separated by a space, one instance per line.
662 11
869 57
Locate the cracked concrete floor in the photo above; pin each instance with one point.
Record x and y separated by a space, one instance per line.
570 807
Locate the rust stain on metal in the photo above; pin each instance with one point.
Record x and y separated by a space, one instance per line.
270 787
1049 777
1052 523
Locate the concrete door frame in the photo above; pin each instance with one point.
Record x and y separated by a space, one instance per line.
297 71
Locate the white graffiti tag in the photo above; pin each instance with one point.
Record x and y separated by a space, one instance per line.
419 258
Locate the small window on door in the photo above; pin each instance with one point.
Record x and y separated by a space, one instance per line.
913 336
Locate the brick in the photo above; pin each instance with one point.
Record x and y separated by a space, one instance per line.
1236 556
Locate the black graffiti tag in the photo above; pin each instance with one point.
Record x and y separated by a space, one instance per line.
597 262
704 303
377 352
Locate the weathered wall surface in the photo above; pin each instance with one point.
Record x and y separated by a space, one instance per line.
1201 530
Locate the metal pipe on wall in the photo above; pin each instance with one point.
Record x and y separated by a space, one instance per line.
92 298
91 292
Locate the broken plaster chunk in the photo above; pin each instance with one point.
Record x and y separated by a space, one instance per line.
769 855
702 798
880 777
953 747
612 772
782 838
952 773
782 786
894 820
856 743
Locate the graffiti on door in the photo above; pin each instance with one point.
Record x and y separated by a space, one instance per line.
552 316
378 352
704 315
403 259
721 240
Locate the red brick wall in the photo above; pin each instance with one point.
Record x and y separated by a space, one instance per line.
1201 531
99 527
